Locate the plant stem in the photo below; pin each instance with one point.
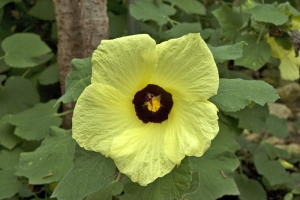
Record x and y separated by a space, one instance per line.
63 113
260 34
26 72
118 177
173 22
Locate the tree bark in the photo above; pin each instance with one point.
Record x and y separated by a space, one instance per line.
81 25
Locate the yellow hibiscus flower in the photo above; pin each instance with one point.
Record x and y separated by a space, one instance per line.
147 106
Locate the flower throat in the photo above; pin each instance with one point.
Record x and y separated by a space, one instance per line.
152 104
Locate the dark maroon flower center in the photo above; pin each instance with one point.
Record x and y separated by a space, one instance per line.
152 104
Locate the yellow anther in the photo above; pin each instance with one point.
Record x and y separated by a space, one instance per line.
153 103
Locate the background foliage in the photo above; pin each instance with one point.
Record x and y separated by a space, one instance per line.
256 154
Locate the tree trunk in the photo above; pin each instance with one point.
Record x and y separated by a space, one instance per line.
81 25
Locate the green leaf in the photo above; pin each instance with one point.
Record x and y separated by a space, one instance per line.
249 188
288 9
2 78
90 171
77 80
9 184
128 197
216 169
9 159
3 66
269 14
117 25
229 21
24 50
50 75
33 124
277 126
225 138
14 88
189 6
170 186
51 161
270 150
7 137
194 185
236 94
255 54
224 72
183 29
112 188
293 183
43 9
4 2
270 169
252 118
227 52
231 122
148 10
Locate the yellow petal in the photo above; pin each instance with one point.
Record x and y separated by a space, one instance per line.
101 113
139 153
125 63
277 51
289 63
288 69
296 23
186 65
191 127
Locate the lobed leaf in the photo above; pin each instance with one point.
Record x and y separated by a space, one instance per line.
53 158
183 29
7 137
170 186
227 52
293 183
216 169
9 184
236 94
14 88
190 6
91 171
253 118
255 54
106 192
277 126
231 74
249 188
50 75
269 14
9 159
270 169
194 185
24 50
33 124
225 138
229 21
77 79
43 9
149 10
